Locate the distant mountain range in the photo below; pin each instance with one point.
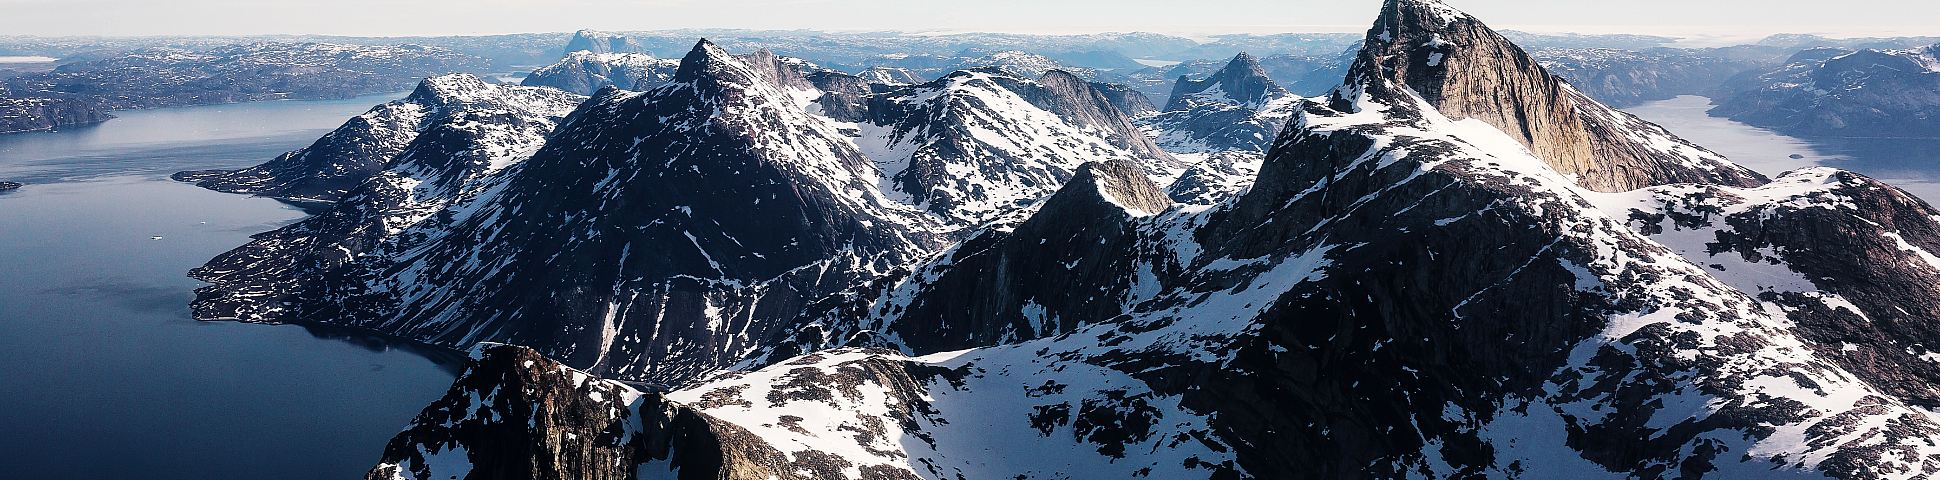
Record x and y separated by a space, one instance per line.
1622 69
1842 93
83 92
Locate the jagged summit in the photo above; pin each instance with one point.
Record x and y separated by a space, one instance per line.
1121 183
1222 124
705 59
338 163
708 66
446 89
1466 70
1243 81
1403 293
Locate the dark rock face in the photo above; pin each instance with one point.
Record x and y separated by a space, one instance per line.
668 268
1127 99
442 148
598 42
622 204
1403 291
1035 278
1454 310
1083 104
636 227
5 186
370 143
1835 93
36 114
1465 70
585 72
517 414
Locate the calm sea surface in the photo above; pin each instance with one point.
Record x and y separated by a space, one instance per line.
102 372
1911 164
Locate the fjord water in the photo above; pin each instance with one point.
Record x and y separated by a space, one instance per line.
1911 164
102 372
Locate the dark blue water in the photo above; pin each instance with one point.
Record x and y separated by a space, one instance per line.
102 372
1911 164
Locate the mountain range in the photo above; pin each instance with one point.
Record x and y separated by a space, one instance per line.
83 92
1452 263
1841 93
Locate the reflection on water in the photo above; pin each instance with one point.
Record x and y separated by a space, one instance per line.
107 376
1913 165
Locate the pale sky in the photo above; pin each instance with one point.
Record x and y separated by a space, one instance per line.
1705 18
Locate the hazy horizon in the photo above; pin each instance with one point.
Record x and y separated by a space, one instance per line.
1695 22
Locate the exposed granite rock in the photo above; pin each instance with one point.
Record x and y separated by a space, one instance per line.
622 203
5 186
1223 136
1083 104
1129 100
1401 294
1466 70
978 144
1235 108
1302 74
890 76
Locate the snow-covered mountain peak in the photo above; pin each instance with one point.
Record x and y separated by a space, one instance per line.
1221 125
1241 82
978 143
458 88
708 61
1413 287
584 72
462 90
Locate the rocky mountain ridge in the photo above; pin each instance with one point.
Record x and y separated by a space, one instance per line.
1224 123
1452 265
867 177
501 122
